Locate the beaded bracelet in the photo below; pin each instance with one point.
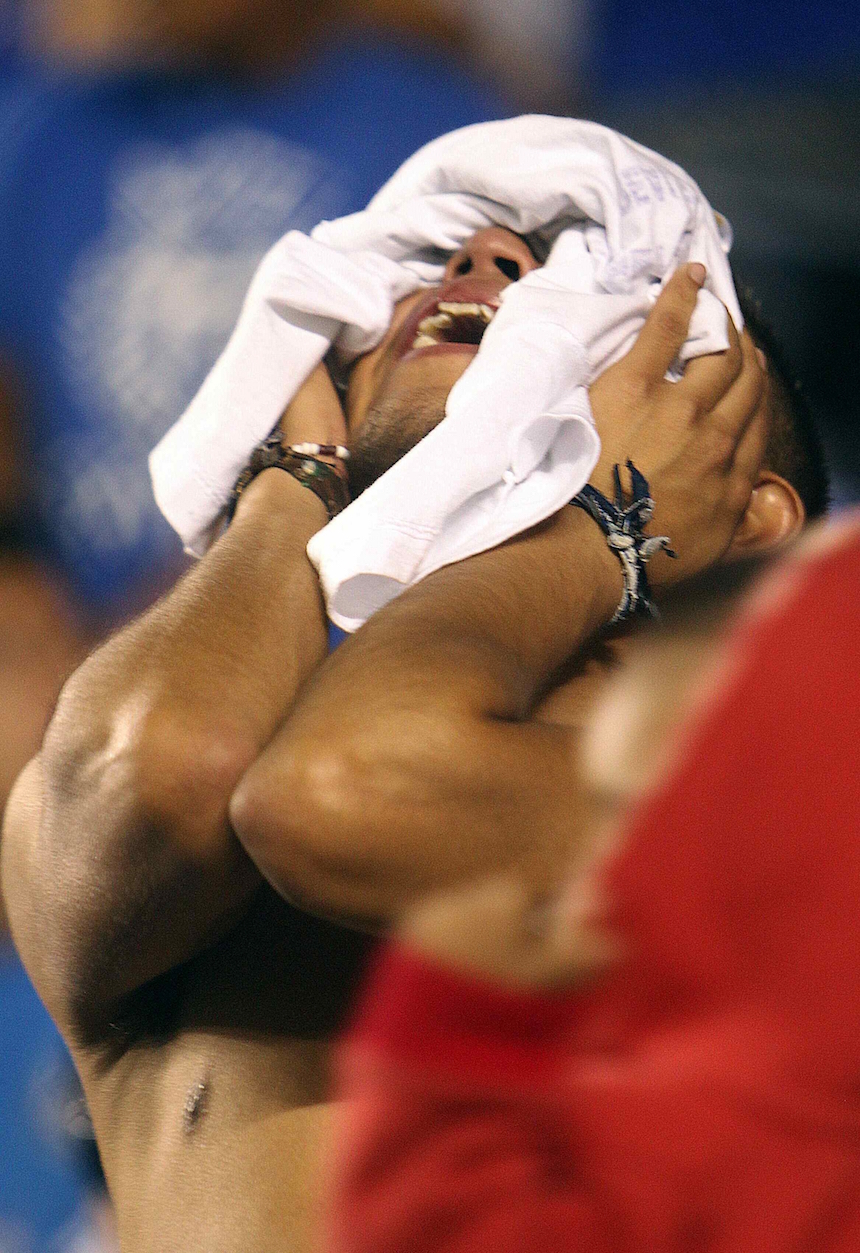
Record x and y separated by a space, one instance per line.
622 524
302 461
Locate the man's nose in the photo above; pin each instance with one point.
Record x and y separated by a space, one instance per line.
493 253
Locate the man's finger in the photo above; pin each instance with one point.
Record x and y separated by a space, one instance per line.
751 448
707 379
744 397
666 326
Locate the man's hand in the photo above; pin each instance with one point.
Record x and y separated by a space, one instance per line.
699 442
315 415
498 928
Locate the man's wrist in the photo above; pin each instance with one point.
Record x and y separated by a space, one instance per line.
622 519
605 577
274 494
321 468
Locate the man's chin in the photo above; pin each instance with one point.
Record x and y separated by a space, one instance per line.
409 406
393 426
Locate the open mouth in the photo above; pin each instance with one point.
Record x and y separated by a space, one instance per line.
442 323
453 322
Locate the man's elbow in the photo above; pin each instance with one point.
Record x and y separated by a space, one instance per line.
318 822
145 763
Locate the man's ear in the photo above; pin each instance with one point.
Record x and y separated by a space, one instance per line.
775 514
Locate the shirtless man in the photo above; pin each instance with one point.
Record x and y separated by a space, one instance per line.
196 1000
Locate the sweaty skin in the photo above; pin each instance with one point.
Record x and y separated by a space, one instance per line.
197 1002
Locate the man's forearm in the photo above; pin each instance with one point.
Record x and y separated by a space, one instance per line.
413 760
150 737
225 651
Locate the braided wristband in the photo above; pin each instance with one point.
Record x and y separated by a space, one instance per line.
622 524
303 462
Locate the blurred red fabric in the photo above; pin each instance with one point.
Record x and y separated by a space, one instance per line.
707 1096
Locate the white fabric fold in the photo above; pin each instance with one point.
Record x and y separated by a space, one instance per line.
517 440
302 294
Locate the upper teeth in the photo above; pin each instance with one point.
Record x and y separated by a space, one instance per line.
453 307
447 310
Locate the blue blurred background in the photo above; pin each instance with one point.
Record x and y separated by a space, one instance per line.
146 165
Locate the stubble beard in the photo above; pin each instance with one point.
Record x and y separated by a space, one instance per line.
393 426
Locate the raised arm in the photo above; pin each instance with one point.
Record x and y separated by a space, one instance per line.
416 756
118 857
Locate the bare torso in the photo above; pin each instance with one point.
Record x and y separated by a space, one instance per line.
208 1097
209 1087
